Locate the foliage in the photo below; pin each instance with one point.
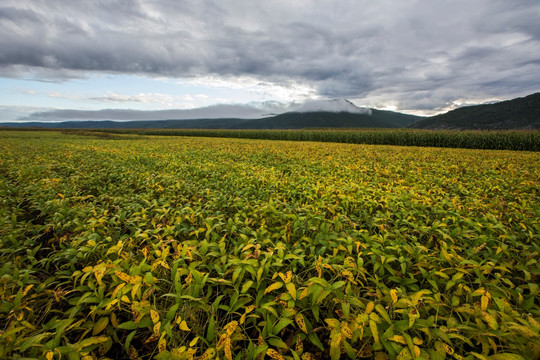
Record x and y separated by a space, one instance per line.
495 140
171 247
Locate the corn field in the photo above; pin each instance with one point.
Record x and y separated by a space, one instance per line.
496 140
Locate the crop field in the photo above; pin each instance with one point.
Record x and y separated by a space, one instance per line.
141 247
526 140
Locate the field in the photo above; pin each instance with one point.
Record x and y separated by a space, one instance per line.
526 140
146 247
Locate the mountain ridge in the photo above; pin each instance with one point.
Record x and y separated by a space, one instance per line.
288 120
521 113
518 113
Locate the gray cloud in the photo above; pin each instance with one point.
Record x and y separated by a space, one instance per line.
417 54
210 112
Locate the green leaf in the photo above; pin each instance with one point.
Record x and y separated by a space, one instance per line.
246 286
127 343
172 312
34 340
277 343
506 356
282 323
91 341
210 331
315 340
128 325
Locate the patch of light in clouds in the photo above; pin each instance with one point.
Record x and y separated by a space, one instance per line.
255 89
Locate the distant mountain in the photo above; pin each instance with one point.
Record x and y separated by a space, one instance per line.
365 118
333 105
520 113
323 119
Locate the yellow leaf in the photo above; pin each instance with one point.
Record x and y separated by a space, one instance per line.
135 290
449 350
228 350
374 330
194 342
299 345
123 276
157 327
346 330
99 271
208 354
369 307
221 342
230 327
26 289
250 308
399 339
292 289
274 286
152 338
114 321
274 354
154 315
535 324
335 346
91 341
525 330
133 353
120 286
405 354
492 322
318 266
416 350
304 293
288 278
183 326
393 295
416 297
484 301
333 323
301 322
162 344
100 325
49 355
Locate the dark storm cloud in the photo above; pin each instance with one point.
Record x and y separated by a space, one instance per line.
418 53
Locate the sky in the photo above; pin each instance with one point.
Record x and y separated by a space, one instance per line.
155 59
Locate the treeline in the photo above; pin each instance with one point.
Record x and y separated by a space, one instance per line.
524 140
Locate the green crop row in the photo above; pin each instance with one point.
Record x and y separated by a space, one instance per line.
209 248
496 140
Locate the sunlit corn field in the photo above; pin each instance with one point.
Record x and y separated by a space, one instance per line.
140 247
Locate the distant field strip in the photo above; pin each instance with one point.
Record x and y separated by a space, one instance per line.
128 247
497 140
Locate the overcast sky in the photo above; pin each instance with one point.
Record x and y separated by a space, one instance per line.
65 58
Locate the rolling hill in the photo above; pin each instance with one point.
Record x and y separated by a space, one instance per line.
520 113
289 120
